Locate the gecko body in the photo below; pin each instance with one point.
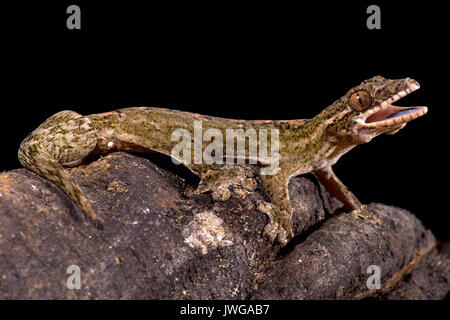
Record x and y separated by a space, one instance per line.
305 145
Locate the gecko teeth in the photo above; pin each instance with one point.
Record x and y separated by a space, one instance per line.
399 115
387 114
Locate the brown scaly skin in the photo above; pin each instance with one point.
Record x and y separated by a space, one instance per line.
312 145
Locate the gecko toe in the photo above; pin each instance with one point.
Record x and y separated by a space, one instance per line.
280 226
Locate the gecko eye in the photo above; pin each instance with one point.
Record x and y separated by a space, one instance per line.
360 100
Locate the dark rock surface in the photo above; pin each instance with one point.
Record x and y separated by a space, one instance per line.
161 240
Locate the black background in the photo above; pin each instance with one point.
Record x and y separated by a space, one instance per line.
254 61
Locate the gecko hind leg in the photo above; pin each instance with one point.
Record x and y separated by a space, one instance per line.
65 138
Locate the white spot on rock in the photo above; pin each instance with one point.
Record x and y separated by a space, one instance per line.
110 144
235 291
205 230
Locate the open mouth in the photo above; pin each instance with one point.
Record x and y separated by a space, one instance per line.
388 115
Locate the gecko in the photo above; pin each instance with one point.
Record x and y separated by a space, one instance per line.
68 138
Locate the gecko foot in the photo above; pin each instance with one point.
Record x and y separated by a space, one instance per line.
219 181
280 226
364 213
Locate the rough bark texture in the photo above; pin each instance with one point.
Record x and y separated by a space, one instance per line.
160 240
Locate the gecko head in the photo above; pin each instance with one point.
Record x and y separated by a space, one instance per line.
367 110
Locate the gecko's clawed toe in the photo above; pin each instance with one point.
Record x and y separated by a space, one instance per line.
279 228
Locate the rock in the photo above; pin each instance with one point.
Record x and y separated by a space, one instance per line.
428 279
161 240
332 262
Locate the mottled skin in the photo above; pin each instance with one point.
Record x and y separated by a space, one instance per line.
312 145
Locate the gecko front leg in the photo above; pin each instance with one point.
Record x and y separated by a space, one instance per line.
279 208
337 189
65 138
217 180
